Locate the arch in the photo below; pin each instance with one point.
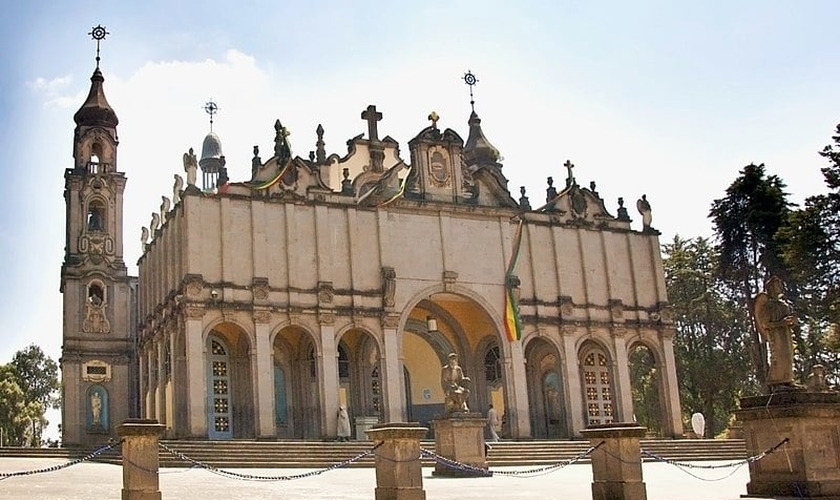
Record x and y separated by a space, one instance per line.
296 383
547 389
437 324
96 215
646 386
228 356
359 374
597 376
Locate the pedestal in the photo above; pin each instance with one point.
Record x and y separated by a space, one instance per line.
399 471
140 459
460 437
617 463
808 466
363 424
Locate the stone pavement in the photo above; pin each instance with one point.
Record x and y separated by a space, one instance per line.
87 481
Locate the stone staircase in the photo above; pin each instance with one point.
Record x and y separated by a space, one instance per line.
319 454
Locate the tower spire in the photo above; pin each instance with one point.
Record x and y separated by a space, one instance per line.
470 79
98 33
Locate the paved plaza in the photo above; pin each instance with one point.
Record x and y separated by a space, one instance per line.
93 481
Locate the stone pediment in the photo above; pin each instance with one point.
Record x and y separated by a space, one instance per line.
581 206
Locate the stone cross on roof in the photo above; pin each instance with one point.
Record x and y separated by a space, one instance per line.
372 116
570 178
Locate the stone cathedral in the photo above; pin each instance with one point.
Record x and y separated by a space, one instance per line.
261 305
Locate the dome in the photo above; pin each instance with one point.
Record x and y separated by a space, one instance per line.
211 148
96 111
478 149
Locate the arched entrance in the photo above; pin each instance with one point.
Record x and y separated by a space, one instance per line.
441 324
645 384
360 385
230 401
597 385
546 392
297 410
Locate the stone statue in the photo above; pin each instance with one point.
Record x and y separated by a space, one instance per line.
775 320
153 226
816 379
643 206
176 189
144 239
190 167
389 286
96 408
455 386
164 208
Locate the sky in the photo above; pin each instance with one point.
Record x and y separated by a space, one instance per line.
668 99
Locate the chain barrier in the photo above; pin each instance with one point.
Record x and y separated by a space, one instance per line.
737 465
454 464
57 467
548 469
255 477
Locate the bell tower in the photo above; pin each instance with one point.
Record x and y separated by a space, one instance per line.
98 350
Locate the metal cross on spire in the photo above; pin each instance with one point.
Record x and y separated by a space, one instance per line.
98 33
470 79
211 108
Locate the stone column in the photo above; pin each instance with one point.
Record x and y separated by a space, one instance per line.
140 459
399 471
808 465
391 367
329 375
622 371
573 374
673 419
516 392
196 376
263 360
617 463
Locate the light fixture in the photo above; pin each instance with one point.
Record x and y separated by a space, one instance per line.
214 294
431 324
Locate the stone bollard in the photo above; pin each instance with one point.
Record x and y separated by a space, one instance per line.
617 464
399 471
140 458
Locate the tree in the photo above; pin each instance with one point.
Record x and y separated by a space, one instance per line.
28 386
37 376
810 244
746 222
712 337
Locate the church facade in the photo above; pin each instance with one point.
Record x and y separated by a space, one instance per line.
263 305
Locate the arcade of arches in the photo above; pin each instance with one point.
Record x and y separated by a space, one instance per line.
263 304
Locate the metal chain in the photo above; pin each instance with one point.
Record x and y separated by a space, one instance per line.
548 469
57 467
254 477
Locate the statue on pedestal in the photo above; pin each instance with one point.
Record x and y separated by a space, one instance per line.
775 320
455 386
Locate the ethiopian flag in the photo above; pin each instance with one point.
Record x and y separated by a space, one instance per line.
513 323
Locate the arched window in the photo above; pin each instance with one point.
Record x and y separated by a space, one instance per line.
94 166
96 216
597 386
343 362
493 366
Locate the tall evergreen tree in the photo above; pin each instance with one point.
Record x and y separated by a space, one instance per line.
746 222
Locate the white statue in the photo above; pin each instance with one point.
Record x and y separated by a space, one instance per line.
144 239
176 189
155 223
164 208
190 167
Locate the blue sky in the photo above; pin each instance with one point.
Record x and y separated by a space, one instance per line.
662 98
